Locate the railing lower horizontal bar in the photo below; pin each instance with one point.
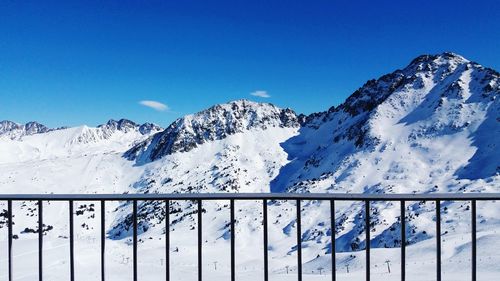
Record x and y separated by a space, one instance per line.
254 196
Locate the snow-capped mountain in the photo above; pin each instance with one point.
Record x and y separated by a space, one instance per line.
432 126
414 118
232 147
215 123
114 130
126 126
12 130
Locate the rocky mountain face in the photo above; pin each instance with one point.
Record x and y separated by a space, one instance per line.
215 123
125 126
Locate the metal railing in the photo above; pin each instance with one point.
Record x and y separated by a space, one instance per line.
232 197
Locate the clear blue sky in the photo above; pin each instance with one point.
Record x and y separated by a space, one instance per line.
70 63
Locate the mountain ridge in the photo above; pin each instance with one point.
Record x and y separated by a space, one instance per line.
14 130
216 122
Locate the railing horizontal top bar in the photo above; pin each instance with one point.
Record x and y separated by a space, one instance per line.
255 196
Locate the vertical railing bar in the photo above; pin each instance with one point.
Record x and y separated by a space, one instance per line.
40 240
71 243
9 214
438 240
233 234
103 239
167 240
266 254
200 242
134 238
367 238
332 227
299 241
474 241
403 241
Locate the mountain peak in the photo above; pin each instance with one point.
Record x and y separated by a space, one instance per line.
445 56
120 125
14 130
7 125
34 127
214 123
238 105
452 55
126 125
375 91
433 98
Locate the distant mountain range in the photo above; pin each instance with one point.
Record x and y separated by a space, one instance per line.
433 126
14 130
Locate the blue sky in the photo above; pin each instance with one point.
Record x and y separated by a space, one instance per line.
71 63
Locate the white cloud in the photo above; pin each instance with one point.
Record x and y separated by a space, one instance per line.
154 105
261 94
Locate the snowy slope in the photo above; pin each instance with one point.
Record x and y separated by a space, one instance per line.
114 136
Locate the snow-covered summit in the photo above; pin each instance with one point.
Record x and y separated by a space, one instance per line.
436 101
13 130
214 123
126 125
432 126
